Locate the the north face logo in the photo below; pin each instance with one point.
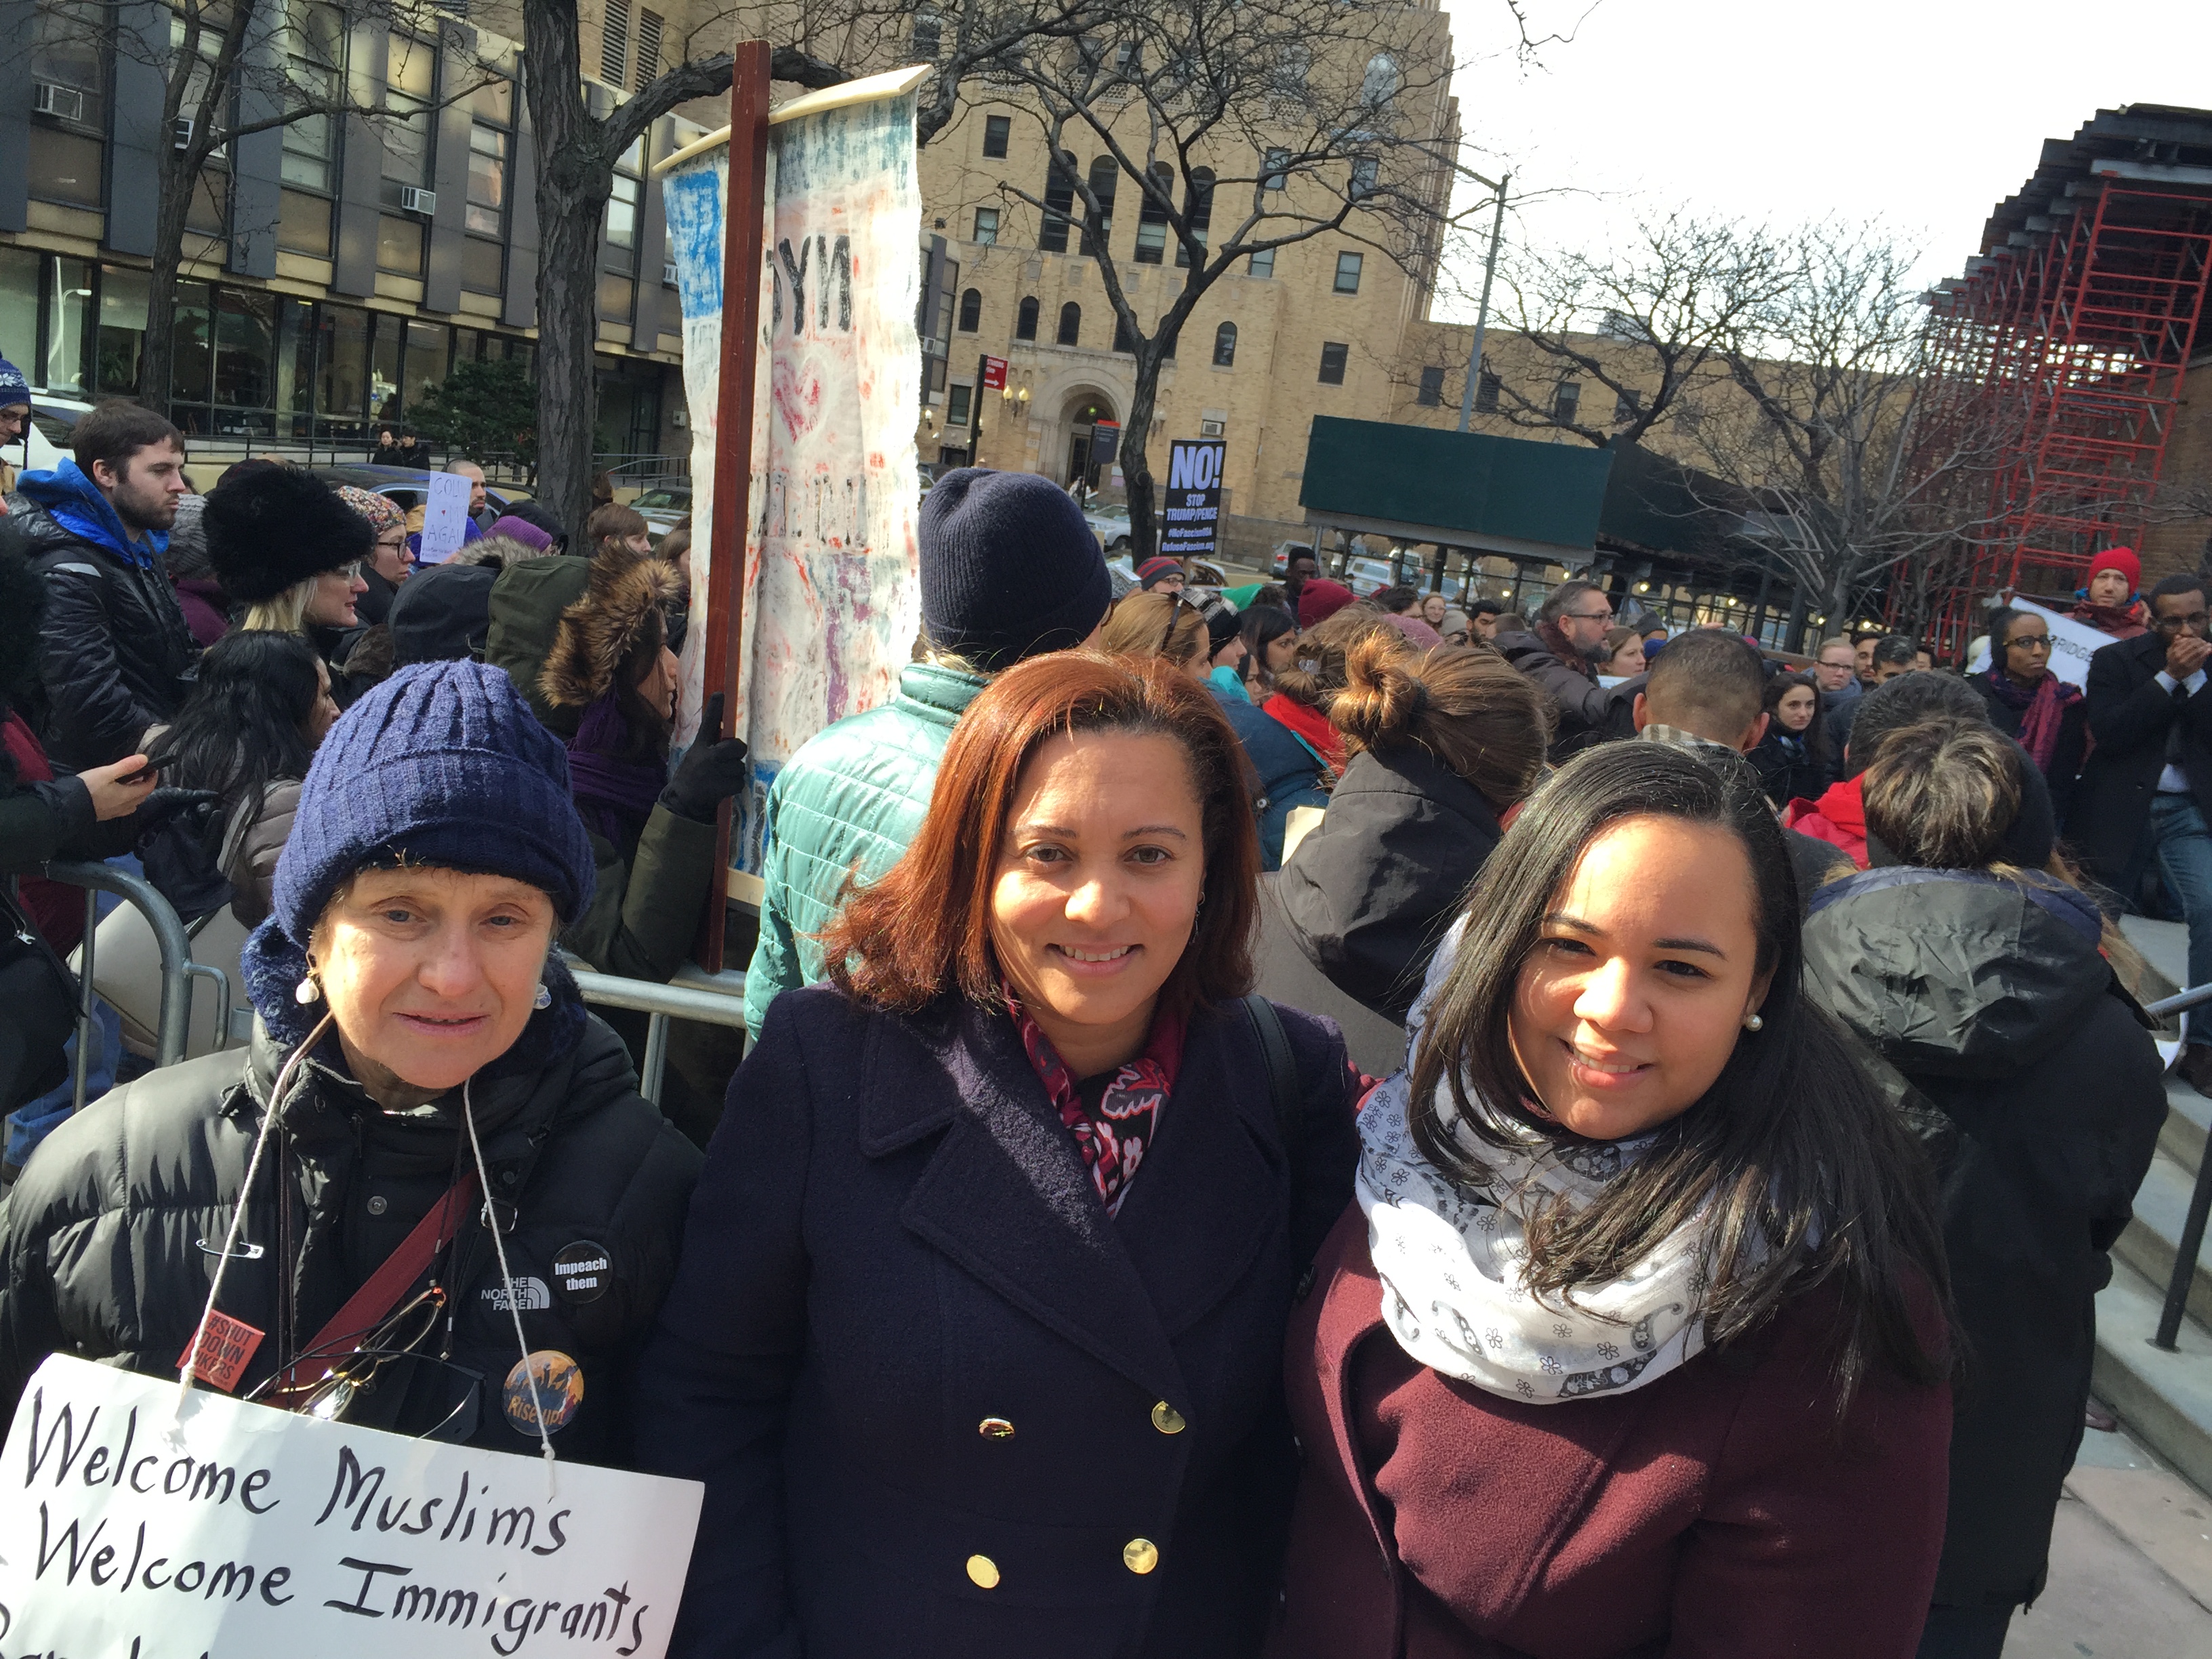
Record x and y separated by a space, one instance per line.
529 1294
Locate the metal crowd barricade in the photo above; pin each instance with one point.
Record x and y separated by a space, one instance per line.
177 964
710 998
2200 1198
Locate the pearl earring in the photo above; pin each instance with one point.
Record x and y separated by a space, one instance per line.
543 1000
1754 1023
306 990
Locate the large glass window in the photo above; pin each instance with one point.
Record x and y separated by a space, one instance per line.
1059 204
1098 227
399 245
987 225
1332 356
1225 346
1262 263
190 375
385 336
1071 324
69 326
1152 217
1025 319
971 311
487 214
411 80
1347 272
617 297
429 348
19 309
1431 394
341 368
483 266
622 206
122 329
996 129
245 349
303 223
69 73
295 366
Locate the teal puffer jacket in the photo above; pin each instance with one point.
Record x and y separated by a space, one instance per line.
850 801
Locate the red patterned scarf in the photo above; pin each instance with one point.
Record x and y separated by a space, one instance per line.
1116 1139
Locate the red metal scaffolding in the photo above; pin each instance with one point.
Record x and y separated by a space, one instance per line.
2057 360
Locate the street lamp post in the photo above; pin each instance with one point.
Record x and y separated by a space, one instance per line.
1482 310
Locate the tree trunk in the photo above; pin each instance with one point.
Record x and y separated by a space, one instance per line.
1136 464
157 357
575 176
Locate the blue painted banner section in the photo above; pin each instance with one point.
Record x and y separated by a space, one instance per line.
693 201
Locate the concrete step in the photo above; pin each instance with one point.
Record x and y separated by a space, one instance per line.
2166 1398
2153 1237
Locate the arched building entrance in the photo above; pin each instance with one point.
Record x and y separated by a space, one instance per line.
1066 452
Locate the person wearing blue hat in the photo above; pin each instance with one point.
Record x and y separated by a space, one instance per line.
1009 570
418 1049
15 404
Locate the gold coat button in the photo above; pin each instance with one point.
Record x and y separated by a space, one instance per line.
984 1571
1141 1555
995 1428
1167 1420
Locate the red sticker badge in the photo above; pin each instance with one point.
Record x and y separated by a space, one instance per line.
225 1346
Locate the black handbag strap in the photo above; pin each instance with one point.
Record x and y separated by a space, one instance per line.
1282 1071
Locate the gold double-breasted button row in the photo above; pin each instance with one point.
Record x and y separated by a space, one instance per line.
1165 1417
1139 1555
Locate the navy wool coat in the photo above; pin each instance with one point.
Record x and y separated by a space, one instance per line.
942 1403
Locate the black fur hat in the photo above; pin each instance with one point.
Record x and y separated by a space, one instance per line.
272 527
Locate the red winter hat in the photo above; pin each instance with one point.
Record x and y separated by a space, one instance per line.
1154 569
1320 600
2122 559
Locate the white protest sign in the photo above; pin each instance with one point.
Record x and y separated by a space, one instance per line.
248 1532
445 518
2072 643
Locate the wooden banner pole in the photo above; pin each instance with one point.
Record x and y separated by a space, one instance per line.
742 216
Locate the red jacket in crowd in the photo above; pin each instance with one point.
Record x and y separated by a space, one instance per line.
1839 818
1718 1513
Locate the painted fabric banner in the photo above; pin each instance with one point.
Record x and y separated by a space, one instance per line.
131 1530
831 603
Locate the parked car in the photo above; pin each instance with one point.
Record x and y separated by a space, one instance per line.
48 442
1112 529
407 487
663 506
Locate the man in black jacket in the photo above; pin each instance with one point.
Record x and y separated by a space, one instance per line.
2146 783
1560 657
115 653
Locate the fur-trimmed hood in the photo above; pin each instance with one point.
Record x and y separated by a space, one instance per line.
599 629
498 552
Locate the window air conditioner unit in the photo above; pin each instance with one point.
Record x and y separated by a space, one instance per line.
668 274
62 103
413 198
184 132
1212 428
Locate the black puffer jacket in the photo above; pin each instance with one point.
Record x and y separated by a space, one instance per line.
1987 995
1370 891
115 653
100 1239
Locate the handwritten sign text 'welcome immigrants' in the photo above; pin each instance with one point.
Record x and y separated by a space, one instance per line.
239 1531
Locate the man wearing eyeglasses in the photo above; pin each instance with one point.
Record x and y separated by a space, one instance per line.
2144 789
1562 656
15 417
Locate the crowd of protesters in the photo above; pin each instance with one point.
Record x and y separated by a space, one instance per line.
1710 1270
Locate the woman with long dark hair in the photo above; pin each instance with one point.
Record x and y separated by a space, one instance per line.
1633 1342
1985 981
976 1338
247 733
1271 644
2026 702
1791 758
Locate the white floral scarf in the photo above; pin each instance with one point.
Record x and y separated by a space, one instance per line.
1452 1259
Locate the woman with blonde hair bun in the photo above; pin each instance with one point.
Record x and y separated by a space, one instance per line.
1441 744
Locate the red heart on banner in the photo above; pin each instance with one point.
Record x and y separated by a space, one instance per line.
801 407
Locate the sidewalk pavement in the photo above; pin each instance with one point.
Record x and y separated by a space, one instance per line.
2130 1562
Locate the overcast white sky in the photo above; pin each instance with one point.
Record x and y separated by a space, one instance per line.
1926 114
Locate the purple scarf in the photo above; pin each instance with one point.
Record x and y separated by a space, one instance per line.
2041 706
613 797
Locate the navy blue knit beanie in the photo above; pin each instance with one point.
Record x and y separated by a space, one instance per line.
444 763
1009 568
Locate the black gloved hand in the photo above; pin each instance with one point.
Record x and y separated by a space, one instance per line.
192 807
712 769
